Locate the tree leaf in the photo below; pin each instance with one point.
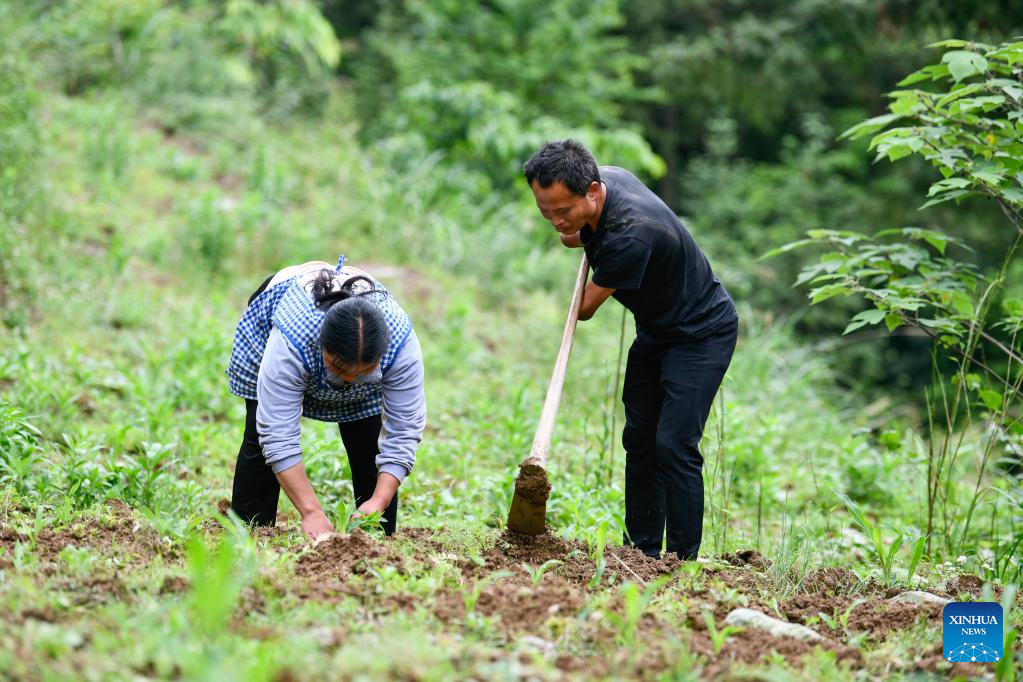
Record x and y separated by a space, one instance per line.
992 399
869 127
949 42
963 64
961 303
829 291
864 318
785 248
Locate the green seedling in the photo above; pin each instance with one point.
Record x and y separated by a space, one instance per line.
536 574
635 602
836 620
844 618
470 597
691 570
346 516
1005 669
914 560
79 561
216 583
373 523
597 547
718 638
885 556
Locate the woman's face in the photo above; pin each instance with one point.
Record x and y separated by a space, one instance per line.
345 372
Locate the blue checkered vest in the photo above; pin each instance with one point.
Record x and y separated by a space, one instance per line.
290 308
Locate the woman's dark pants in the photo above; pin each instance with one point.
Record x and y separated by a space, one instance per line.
256 491
669 389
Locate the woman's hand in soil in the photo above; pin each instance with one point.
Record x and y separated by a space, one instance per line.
316 524
387 486
371 506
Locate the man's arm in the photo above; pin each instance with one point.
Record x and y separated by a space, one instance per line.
593 297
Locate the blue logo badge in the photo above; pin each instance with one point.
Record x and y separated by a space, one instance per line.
972 631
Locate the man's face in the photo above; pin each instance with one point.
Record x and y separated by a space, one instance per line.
567 211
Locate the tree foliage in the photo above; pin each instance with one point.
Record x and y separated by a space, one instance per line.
485 83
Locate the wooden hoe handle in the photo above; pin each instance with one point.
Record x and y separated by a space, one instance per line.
545 429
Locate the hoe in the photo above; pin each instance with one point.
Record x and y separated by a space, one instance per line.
532 488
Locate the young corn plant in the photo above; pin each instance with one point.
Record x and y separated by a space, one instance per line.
372 523
836 620
470 597
718 638
635 602
1005 669
597 546
536 574
218 575
885 556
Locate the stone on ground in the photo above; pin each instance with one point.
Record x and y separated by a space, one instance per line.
779 628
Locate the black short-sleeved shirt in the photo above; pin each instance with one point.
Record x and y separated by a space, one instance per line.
641 249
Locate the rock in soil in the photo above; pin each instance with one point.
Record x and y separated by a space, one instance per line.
779 628
917 597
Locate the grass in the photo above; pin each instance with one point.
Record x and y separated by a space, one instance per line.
130 272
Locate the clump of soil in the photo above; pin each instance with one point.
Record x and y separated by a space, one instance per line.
747 557
833 580
173 584
532 483
342 556
521 606
875 616
421 537
578 567
803 607
122 535
968 584
750 646
933 658
880 617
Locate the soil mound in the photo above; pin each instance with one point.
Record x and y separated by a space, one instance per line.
833 580
521 606
578 567
341 556
747 557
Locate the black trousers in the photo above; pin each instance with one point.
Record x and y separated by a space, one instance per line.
255 492
668 392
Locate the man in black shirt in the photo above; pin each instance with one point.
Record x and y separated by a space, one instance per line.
686 328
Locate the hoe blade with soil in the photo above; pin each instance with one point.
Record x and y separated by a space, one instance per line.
532 488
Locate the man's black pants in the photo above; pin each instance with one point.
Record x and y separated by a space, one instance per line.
255 491
669 389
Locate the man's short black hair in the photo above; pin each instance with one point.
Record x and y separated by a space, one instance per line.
565 161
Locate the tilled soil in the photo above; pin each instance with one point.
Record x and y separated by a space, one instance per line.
342 556
522 602
578 567
506 586
123 535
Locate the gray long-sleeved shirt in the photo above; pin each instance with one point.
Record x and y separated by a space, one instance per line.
281 385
